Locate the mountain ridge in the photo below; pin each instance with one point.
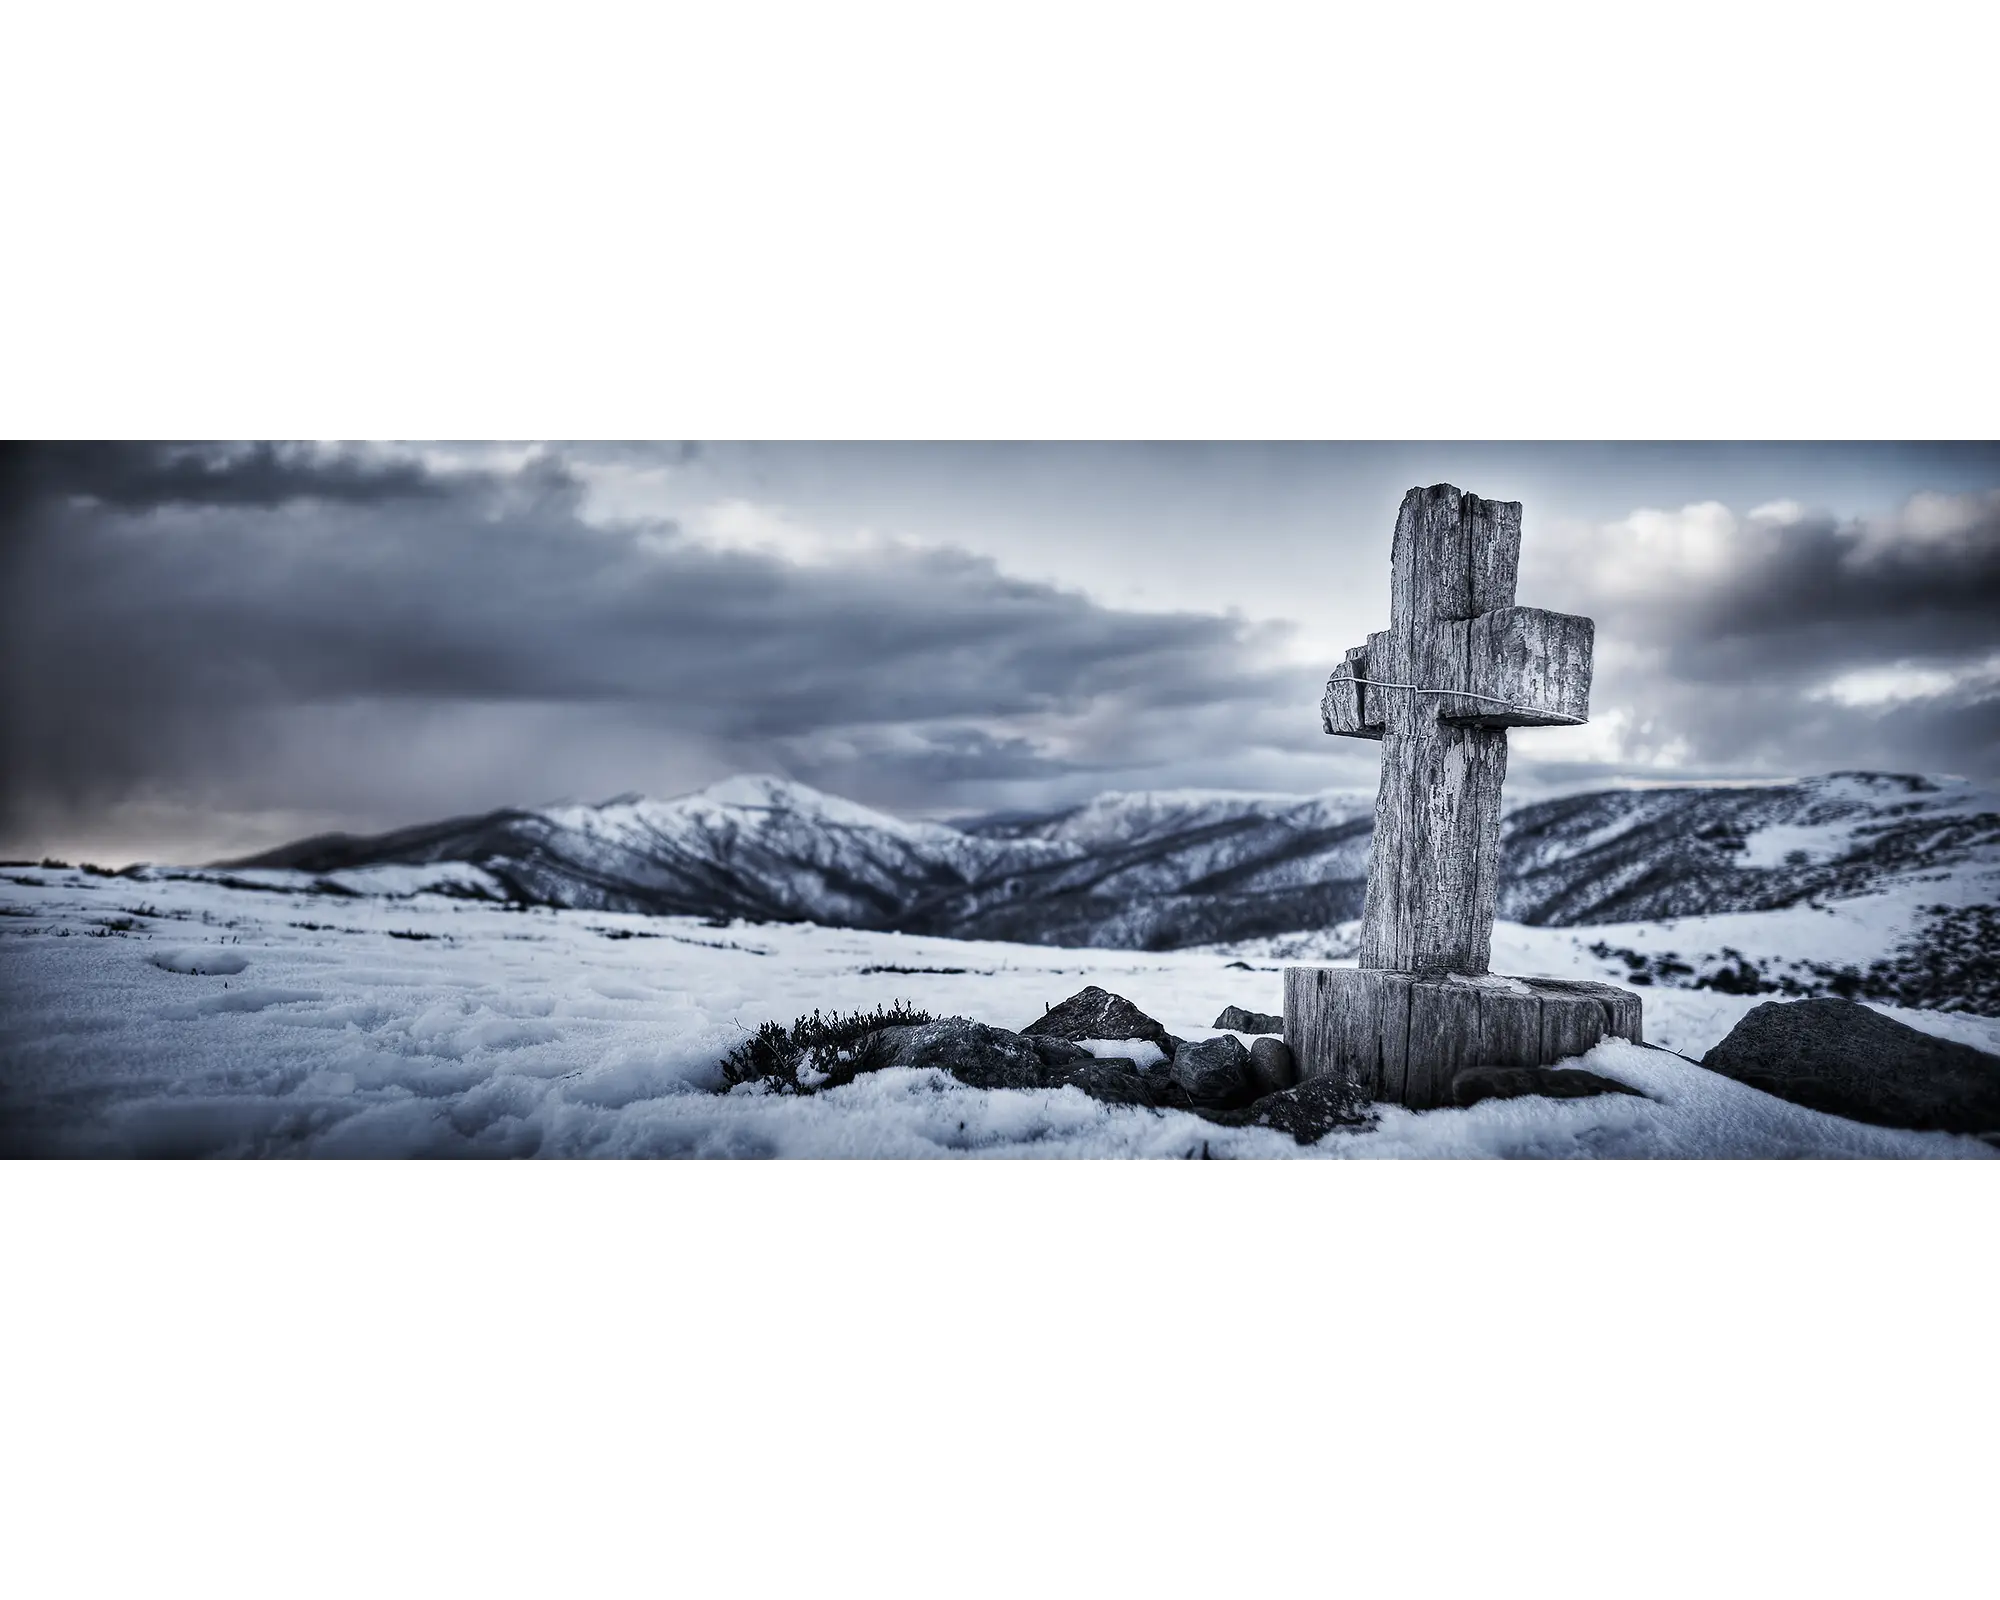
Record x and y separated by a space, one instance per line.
1168 869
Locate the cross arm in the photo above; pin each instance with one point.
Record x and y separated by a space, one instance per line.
1350 708
1524 668
1526 657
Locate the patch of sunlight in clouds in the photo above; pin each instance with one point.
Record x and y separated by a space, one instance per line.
1866 688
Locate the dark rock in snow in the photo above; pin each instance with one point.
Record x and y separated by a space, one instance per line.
973 1053
1842 1057
1055 1054
1159 1076
1215 1072
1249 1021
1271 1065
1112 1079
992 1058
1308 1112
1095 1013
1475 1084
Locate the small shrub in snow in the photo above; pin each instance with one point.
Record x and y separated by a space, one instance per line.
816 1052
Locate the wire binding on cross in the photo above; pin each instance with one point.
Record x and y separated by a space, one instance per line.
1491 699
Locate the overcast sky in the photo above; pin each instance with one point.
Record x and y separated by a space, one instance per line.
210 649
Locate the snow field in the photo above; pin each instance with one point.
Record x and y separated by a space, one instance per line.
216 1021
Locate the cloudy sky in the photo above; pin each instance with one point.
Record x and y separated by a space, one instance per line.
210 649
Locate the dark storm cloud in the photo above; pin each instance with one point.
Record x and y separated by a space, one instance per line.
165 609
140 476
1816 593
1751 640
210 648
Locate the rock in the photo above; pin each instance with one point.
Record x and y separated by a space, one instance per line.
1159 1076
1475 1084
1055 1054
1308 1111
1112 1079
1249 1021
1094 1013
975 1054
992 1058
1271 1065
1215 1072
1843 1057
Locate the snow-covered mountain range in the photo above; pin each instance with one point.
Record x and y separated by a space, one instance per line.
1174 869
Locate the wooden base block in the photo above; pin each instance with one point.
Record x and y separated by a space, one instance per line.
1403 1038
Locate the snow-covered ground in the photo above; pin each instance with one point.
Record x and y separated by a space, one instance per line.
1791 940
185 1017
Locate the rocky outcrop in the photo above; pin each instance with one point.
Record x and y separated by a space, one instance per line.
1216 1079
1272 1066
1847 1059
1308 1111
975 1054
1095 1013
1215 1072
1241 1021
1113 1080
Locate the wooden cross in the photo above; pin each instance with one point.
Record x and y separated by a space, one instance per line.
1459 665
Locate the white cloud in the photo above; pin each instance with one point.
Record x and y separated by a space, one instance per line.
1651 550
1901 682
1882 686
1613 737
766 530
1926 521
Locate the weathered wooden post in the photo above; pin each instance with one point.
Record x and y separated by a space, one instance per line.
1459 665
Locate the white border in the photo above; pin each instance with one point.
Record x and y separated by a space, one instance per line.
891 220
1033 221
1176 1378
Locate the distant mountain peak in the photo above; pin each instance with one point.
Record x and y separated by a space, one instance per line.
759 789
1163 869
